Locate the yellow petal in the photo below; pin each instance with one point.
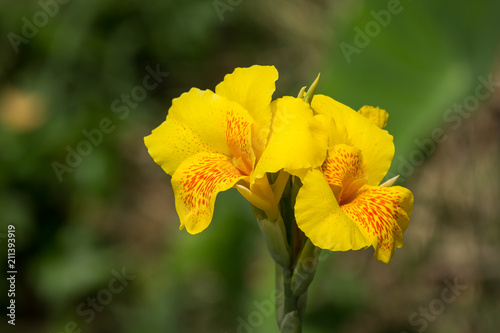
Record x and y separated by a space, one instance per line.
200 121
377 115
319 216
355 130
196 183
297 141
382 214
253 89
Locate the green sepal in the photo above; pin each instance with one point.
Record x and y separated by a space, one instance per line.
302 92
291 323
305 269
275 237
311 91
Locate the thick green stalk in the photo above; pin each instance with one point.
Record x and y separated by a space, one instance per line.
289 307
294 277
286 210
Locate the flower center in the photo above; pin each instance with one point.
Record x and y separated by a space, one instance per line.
343 169
350 193
243 165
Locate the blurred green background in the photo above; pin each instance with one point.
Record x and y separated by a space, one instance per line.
67 66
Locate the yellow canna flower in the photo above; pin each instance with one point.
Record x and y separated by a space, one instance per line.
297 141
211 142
341 205
238 137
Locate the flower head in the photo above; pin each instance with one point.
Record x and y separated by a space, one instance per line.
341 205
237 137
210 141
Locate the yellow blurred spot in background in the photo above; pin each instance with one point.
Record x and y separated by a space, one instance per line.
22 111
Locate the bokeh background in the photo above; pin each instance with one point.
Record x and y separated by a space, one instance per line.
63 64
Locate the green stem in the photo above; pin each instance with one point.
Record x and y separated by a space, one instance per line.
290 299
286 210
296 269
290 307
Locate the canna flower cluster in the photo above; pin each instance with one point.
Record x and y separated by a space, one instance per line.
311 168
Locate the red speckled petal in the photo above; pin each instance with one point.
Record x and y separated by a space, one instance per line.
196 183
382 214
375 216
239 140
342 167
356 130
252 88
319 216
200 121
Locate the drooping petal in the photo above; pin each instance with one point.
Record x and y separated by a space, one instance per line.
200 121
319 216
252 88
382 214
196 183
297 141
376 216
355 130
376 115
